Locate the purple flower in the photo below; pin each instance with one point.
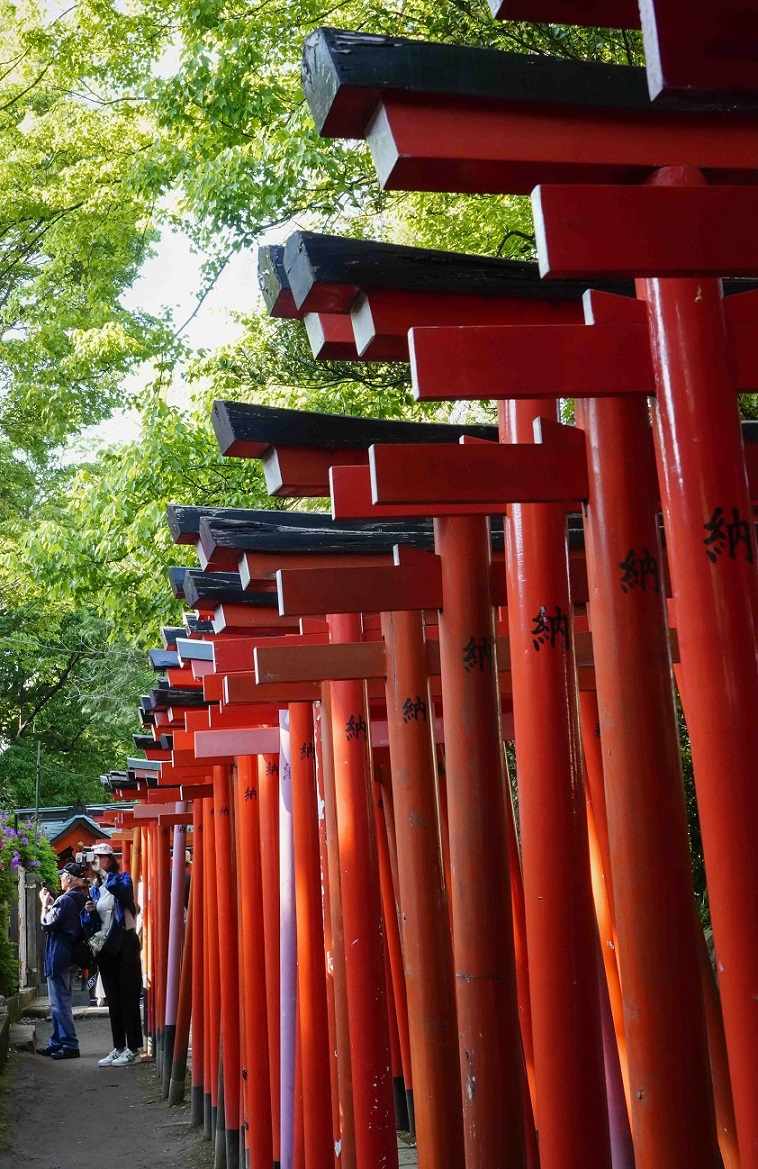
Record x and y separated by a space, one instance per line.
14 863
33 864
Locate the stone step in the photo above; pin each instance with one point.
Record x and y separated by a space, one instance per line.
23 1037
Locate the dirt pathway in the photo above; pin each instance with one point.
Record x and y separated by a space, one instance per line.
75 1115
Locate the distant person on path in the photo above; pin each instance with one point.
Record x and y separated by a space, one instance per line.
109 919
63 929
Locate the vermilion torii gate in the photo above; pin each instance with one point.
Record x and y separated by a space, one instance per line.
580 124
409 477
444 117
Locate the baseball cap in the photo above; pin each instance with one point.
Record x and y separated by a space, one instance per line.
102 849
73 870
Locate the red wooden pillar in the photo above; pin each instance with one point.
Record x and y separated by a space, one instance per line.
198 965
375 1134
163 868
336 997
223 806
268 796
396 992
212 893
712 558
256 1082
311 975
485 979
672 1114
561 931
147 941
427 948
520 950
176 1086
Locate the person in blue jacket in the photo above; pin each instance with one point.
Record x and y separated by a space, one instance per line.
62 925
109 920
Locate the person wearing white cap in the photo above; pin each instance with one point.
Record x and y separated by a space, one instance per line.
110 919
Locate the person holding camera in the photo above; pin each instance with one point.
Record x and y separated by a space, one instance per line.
61 921
109 920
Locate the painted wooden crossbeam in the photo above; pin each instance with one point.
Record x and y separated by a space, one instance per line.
183 679
187 773
648 231
161 795
236 741
153 811
359 660
259 568
233 655
594 13
297 472
700 49
318 663
489 151
362 590
381 320
196 791
244 688
330 336
241 618
505 472
351 498
576 361
189 758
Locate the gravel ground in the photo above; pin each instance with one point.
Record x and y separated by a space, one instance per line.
75 1115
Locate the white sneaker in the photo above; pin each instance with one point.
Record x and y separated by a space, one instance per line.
125 1057
108 1059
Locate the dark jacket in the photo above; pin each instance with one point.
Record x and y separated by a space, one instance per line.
120 885
63 930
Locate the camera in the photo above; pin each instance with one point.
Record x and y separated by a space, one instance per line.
84 858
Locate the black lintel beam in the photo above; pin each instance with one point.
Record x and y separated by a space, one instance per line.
144 742
195 625
327 273
346 74
169 634
273 282
349 537
183 521
247 430
171 696
223 588
176 575
163 659
592 13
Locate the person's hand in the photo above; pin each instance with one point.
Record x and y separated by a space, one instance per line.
89 905
46 898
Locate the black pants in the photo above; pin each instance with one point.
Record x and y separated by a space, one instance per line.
122 979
